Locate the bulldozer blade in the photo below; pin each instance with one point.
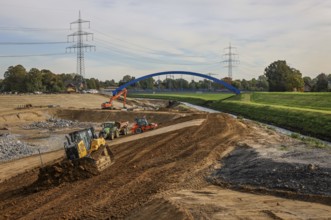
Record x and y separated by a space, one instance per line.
102 158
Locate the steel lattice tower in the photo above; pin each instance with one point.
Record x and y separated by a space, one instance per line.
230 60
80 46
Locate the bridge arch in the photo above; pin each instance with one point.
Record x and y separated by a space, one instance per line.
226 85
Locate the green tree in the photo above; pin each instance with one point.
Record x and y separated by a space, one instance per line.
193 85
15 77
182 83
147 83
1 85
51 82
237 84
281 77
245 85
262 83
322 83
34 80
126 78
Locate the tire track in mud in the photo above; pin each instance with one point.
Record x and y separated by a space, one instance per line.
143 170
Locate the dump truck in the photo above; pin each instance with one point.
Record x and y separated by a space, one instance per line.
141 125
113 129
84 145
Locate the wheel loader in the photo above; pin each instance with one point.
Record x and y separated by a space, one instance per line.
84 146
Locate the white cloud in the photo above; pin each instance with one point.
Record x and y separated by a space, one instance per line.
141 37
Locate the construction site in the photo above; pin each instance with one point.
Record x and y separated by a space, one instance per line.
176 163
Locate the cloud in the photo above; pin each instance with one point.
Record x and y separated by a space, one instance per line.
140 37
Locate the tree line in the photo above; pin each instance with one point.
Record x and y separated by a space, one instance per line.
278 76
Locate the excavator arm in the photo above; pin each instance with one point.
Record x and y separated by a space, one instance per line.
108 105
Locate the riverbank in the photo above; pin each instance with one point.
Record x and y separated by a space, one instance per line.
305 113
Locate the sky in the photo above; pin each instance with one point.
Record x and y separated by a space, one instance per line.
137 38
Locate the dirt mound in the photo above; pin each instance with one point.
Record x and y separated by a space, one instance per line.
244 166
65 171
114 115
143 169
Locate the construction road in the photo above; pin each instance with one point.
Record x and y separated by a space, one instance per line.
194 166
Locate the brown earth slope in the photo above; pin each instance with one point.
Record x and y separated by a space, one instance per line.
174 160
168 175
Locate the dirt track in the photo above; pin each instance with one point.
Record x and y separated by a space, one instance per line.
15 167
164 176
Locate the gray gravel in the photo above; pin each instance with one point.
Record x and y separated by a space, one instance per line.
12 148
246 167
52 123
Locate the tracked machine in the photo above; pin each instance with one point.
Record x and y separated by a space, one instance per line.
109 104
84 148
86 156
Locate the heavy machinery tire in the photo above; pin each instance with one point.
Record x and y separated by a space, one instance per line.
102 134
139 130
112 136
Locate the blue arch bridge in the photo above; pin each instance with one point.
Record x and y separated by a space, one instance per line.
221 82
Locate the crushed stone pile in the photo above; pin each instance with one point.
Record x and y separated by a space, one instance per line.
12 148
244 167
52 123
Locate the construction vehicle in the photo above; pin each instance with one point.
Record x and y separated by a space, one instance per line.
109 105
85 147
141 125
113 129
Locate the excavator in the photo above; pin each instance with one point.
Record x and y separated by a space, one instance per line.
109 105
84 146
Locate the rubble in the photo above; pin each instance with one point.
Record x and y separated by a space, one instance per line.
12 148
52 123
246 167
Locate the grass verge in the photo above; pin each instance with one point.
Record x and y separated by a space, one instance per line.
306 113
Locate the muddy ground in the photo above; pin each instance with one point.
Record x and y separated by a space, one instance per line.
196 166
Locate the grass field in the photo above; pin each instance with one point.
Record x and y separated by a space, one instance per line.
307 113
193 98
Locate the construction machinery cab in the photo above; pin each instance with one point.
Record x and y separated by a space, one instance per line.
79 143
142 125
113 129
85 144
141 121
109 104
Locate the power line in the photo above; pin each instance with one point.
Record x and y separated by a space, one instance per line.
32 29
34 55
146 49
29 43
135 56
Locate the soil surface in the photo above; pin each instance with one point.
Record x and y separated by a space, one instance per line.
195 166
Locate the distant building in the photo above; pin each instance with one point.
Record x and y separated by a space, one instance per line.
71 88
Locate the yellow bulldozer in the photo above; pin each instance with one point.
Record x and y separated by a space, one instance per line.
86 156
85 145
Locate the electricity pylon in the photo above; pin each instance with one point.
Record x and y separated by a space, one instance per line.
80 46
230 60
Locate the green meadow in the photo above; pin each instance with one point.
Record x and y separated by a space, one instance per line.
307 113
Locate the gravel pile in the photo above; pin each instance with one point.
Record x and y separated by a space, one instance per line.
244 166
52 123
12 148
